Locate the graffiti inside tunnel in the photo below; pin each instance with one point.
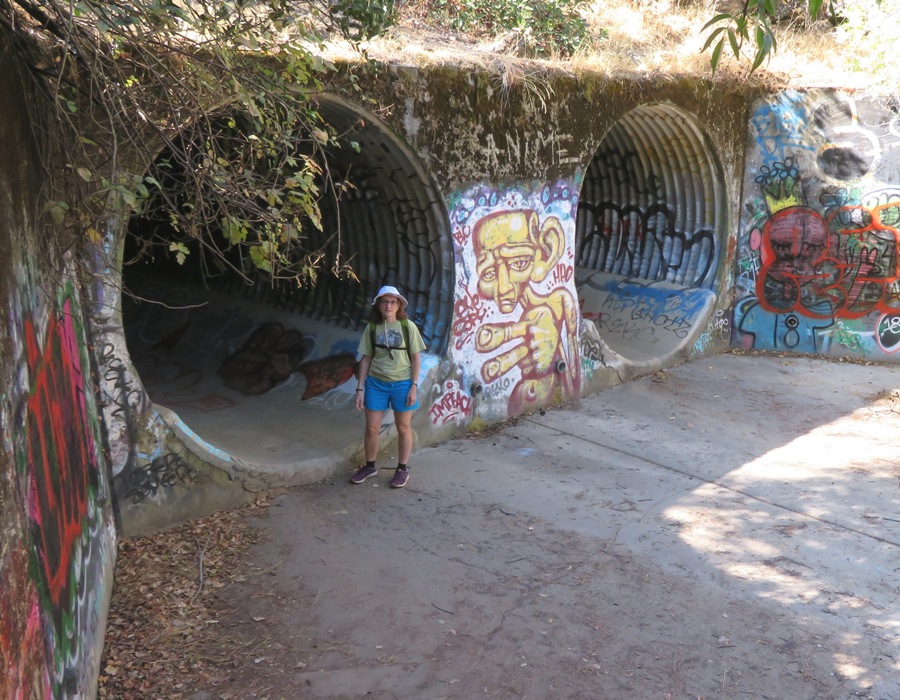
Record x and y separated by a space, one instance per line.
645 243
651 202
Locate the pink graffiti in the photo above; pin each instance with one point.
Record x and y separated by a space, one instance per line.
469 312
453 405
461 235
562 274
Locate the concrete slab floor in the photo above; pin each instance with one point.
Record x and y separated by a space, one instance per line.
729 528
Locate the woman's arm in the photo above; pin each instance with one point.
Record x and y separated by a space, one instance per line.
361 373
415 362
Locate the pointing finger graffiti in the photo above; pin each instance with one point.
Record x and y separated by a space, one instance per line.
517 255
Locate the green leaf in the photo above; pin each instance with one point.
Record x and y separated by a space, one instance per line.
181 251
57 211
717 54
712 37
765 40
735 45
721 17
258 254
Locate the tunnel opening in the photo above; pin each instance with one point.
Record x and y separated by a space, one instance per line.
261 369
649 232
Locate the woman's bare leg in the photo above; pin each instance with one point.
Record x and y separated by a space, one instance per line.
403 421
372 434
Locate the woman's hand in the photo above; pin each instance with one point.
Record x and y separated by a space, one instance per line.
359 399
411 395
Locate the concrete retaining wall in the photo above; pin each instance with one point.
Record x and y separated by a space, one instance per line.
555 235
57 542
818 264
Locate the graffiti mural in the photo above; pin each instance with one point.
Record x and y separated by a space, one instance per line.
516 317
716 329
22 648
646 243
652 202
270 355
65 492
639 318
818 268
452 405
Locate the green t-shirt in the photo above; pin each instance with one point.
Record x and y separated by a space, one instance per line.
391 363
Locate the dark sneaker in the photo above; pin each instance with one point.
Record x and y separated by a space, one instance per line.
363 473
401 476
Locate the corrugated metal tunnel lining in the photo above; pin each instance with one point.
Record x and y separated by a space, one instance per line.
649 232
262 372
390 223
652 201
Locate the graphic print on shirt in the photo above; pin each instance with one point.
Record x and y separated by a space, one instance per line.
391 338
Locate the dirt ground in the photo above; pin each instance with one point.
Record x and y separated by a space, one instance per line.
727 529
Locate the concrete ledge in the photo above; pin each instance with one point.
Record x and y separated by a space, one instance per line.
644 322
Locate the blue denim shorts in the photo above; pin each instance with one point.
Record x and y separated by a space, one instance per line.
383 395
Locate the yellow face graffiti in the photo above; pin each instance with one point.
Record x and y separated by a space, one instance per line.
513 254
507 249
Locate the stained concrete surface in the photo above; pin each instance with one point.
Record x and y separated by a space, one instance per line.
729 528
178 351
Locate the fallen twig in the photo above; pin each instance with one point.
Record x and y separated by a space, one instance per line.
201 552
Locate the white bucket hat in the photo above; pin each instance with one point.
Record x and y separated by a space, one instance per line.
390 291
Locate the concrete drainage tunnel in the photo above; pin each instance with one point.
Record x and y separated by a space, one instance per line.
263 372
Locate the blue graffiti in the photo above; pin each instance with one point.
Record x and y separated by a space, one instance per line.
790 331
779 128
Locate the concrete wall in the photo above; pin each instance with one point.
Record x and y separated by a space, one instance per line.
57 542
622 201
556 234
818 241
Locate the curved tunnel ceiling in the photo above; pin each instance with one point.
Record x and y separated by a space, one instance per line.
652 202
190 328
393 224
649 233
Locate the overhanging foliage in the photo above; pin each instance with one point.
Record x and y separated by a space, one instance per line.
197 113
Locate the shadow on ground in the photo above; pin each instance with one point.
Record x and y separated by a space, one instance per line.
726 529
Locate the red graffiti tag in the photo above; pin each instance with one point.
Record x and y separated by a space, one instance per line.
62 458
563 274
843 266
453 405
469 312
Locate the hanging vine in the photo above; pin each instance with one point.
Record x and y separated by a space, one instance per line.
200 114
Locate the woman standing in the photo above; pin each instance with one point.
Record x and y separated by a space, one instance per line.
388 378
